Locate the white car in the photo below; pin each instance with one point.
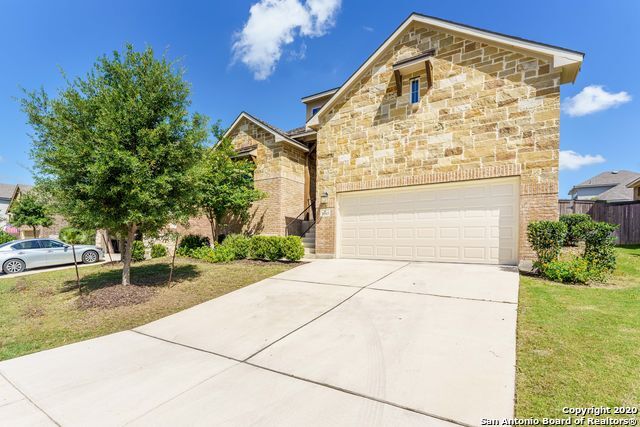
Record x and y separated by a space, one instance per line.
19 255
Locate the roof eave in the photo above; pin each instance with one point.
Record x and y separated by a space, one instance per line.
278 136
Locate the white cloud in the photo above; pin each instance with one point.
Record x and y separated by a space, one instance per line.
1 159
273 24
570 160
592 99
367 28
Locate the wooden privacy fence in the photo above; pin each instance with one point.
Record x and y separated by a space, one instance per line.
625 214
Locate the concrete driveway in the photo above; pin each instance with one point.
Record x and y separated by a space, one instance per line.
333 342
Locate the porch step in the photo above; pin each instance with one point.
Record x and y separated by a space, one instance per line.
309 242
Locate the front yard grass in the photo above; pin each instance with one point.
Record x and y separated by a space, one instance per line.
579 346
43 311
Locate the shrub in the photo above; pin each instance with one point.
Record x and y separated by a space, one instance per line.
599 246
5 237
546 239
158 250
292 248
137 252
205 253
572 271
191 242
224 254
77 236
239 244
572 222
265 247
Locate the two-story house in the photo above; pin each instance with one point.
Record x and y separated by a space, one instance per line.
442 146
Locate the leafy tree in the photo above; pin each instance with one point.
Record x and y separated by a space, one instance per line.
225 184
31 212
117 148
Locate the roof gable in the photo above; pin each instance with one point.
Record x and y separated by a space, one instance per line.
279 134
569 61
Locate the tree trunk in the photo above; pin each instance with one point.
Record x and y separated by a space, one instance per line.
126 260
75 262
213 232
35 232
173 260
212 222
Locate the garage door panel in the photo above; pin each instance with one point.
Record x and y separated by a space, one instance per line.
475 221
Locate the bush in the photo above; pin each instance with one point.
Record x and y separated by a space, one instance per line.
5 237
77 236
239 244
292 248
191 242
573 271
137 253
546 239
266 247
158 250
572 221
224 254
599 246
205 253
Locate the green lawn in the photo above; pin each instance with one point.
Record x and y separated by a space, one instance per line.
579 346
41 311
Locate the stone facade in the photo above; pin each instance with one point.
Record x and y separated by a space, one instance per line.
280 173
490 113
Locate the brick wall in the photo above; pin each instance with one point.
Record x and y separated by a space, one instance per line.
490 113
280 173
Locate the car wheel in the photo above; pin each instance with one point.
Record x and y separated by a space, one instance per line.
89 257
13 266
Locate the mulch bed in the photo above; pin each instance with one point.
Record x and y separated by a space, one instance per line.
115 296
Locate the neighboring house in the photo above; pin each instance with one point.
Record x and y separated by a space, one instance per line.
442 146
6 192
26 232
635 187
610 186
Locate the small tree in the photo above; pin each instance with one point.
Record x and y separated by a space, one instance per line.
74 236
117 148
31 212
225 184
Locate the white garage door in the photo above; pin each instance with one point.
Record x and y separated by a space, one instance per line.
470 222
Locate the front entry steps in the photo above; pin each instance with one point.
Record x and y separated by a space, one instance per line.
309 242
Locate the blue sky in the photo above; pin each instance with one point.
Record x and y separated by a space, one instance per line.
267 66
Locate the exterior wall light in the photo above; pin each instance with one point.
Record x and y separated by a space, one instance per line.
324 198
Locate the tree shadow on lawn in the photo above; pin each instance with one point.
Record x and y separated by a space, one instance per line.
153 275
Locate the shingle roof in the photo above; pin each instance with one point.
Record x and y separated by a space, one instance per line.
298 130
6 190
617 180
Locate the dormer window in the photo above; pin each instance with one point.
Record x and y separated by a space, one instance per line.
415 91
314 110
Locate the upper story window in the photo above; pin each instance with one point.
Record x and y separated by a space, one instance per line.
314 110
415 91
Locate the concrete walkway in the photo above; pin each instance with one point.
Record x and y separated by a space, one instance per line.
333 342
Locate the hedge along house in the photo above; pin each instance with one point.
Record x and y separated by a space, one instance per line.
442 146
